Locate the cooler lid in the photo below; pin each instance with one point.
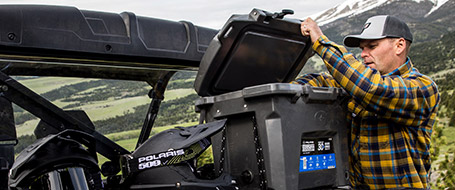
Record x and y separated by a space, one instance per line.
253 49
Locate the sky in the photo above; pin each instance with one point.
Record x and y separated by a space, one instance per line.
207 13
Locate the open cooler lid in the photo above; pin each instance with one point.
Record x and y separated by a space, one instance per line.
253 49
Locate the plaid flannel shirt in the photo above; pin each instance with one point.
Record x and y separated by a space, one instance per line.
391 118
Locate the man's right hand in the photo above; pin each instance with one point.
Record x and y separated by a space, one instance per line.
310 28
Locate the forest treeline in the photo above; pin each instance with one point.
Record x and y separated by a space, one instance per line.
437 58
446 85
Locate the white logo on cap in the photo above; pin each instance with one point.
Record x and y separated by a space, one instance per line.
366 26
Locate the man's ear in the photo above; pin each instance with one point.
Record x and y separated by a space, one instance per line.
400 45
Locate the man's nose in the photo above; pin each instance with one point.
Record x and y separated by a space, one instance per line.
364 53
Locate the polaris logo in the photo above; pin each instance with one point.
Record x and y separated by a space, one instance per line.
155 159
366 26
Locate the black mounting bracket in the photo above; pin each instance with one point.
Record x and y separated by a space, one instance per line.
157 96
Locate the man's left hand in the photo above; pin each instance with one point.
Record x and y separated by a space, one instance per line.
310 28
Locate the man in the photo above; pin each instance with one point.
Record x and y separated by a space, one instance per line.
393 106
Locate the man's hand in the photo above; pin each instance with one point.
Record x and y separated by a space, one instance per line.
310 28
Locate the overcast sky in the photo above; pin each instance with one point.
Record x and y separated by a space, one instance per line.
208 13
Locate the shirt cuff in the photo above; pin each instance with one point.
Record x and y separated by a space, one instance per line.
321 40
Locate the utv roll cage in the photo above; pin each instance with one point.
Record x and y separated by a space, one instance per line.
64 41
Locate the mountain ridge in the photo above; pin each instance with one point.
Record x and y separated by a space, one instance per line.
354 7
424 28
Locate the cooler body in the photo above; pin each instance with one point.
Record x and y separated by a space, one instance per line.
281 136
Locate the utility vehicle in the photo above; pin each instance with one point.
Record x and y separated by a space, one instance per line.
265 132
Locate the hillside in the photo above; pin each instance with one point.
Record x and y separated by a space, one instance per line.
112 105
435 56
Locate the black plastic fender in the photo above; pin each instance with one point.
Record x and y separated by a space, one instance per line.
69 148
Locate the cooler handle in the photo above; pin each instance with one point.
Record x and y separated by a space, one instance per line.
320 94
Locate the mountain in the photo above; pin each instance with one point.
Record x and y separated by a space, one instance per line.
355 7
427 19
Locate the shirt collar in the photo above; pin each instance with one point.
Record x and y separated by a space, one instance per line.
403 69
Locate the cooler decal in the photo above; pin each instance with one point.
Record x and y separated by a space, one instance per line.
316 154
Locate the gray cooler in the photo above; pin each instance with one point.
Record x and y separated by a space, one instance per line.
278 135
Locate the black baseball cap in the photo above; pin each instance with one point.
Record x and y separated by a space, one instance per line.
378 27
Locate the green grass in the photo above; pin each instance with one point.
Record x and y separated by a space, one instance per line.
124 135
178 93
189 80
178 81
182 80
45 84
61 103
128 144
448 132
90 90
26 128
110 108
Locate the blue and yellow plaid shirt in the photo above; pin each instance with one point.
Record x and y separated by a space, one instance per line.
391 118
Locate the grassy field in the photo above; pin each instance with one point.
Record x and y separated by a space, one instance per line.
45 84
110 108
27 127
449 133
177 93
